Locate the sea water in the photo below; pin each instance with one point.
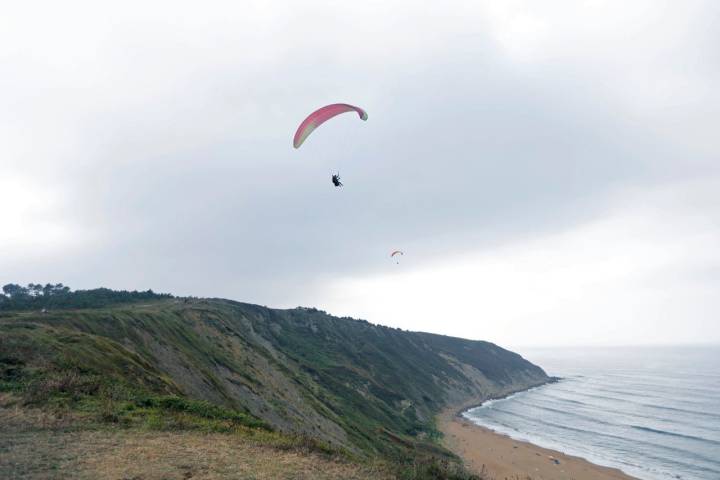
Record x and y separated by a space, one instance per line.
653 412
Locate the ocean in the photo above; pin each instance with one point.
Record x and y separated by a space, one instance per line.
652 412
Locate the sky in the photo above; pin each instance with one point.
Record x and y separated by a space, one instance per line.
550 169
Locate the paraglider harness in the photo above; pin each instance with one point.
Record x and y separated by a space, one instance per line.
336 180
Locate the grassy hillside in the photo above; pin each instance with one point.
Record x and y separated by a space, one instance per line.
301 376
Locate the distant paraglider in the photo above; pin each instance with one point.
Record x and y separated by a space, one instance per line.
397 252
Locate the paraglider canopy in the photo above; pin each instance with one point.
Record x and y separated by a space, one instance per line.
396 252
322 115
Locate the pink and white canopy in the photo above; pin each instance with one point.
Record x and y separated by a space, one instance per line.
322 115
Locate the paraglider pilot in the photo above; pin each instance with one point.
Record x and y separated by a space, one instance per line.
336 180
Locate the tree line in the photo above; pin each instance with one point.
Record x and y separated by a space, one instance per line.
36 296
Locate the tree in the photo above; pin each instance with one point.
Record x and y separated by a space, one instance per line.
34 289
12 290
37 296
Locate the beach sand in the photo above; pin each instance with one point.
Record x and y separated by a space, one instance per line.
502 457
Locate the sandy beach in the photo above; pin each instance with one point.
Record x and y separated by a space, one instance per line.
504 458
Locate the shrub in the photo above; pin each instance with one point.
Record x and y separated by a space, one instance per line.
201 409
67 382
435 469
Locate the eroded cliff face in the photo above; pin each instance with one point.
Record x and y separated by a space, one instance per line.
365 387
479 388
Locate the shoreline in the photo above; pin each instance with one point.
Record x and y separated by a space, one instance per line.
499 456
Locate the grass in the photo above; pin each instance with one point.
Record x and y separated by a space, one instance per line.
97 399
38 443
31 450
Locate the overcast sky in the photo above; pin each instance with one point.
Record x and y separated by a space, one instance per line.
551 169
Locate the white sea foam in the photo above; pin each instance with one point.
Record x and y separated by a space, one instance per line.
652 412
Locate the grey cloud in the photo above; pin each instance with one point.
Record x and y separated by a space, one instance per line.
193 186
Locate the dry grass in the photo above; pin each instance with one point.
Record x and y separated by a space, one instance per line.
160 455
39 445
17 418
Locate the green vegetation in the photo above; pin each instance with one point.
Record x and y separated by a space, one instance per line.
295 378
36 297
